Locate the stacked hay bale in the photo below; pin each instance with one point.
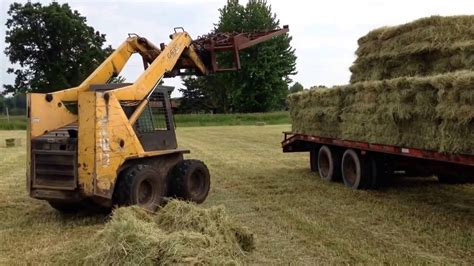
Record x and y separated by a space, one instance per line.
424 47
433 112
317 111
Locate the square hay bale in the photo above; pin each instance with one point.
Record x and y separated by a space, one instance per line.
321 107
433 113
425 47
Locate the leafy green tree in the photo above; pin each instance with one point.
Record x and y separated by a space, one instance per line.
2 104
296 87
51 47
117 79
262 83
194 99
16 104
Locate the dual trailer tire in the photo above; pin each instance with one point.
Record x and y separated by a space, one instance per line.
328 164
357 172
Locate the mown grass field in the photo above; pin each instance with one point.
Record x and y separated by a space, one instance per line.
187 120
296 217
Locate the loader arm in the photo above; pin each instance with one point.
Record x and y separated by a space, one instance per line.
161 62
79 139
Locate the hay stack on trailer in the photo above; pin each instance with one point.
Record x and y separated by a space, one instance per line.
427 46
434 112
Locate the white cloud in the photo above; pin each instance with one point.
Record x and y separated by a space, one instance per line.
324 33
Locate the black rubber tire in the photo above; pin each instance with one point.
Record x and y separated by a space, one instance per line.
190 181
313 160
67 207
356 171
376 178
140 185
329 164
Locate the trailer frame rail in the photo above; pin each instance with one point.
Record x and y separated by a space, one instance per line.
296 142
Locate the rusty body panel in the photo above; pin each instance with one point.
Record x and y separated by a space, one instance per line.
212 44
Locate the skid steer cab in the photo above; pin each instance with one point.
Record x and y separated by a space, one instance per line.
105 144
102 160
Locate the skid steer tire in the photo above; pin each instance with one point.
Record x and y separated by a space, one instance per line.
140 185
190 181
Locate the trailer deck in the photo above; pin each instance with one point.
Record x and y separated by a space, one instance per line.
294 142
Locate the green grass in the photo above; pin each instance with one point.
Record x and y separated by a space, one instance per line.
296 217
188 120
192 120
15 123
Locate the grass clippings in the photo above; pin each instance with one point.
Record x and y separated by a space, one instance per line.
179 233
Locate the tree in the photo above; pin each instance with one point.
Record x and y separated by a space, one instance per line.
194 99
117 79
2 104
16 104
262 83
51 46
296 87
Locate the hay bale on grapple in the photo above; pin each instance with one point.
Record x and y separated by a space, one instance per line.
179 233
425 47
434 113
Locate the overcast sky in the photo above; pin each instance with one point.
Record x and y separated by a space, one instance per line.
324 33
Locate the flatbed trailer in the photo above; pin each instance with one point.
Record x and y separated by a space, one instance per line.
363 165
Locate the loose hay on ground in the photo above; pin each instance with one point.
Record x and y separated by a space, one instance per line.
179 233
434 113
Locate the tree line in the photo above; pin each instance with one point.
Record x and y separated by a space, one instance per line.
52 48
13 105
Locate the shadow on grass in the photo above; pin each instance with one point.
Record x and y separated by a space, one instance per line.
424 194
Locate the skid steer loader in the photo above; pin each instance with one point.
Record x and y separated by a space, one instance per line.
104 144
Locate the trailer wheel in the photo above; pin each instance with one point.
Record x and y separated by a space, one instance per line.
190 180
140 185
313 160
356 173
374 170
329 164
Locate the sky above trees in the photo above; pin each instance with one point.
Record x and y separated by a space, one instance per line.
324 33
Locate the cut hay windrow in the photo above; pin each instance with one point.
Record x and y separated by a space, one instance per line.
179 233
433 113
425 47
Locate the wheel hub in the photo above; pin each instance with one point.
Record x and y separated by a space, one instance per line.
145 192
196 182
324 165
